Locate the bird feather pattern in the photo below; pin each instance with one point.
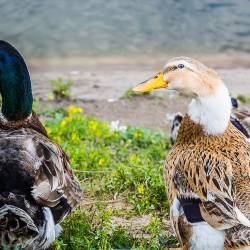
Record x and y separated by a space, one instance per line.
47 164
218 174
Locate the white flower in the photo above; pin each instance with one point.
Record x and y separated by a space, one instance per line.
116 127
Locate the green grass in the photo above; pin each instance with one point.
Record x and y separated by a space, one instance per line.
243 98
60 89
121 176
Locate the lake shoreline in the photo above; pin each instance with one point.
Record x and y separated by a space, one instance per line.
98 88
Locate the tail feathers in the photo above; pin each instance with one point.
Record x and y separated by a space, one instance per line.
48 232
18 231
25 224
16 226
12 218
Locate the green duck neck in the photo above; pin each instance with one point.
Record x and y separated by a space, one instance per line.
16 97
15 84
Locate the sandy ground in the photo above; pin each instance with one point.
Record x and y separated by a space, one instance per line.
98 89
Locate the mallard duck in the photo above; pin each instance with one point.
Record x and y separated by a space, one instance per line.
207 172
176 123
37 185
240 119
242 116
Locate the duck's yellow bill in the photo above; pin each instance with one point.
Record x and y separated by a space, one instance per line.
156 82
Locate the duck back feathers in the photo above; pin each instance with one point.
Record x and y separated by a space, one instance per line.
37 182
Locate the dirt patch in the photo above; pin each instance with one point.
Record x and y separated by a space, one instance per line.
98 90
149 112
110 83
135 225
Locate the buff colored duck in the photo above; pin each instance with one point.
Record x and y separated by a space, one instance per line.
37 185
207 172
239 118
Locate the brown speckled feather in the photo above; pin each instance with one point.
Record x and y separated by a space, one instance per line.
214 169
54 185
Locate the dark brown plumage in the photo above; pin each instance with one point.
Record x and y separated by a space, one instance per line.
37 185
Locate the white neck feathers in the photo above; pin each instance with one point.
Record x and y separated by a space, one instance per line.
212 112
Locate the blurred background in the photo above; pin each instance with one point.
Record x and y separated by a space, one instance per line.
106 47
97 28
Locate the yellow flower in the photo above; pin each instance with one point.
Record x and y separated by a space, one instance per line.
141 189
134 158
101 162
65 121
73 109
114 174
137 135
49 131
93 125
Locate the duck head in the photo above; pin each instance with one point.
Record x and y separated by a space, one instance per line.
211 105
185 75
15 84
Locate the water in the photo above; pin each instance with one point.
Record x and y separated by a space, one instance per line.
125 27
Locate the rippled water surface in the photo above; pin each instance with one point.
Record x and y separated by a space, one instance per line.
125 27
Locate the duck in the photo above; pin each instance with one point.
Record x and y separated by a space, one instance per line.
241 115
38 188
176 122
207 172
239 118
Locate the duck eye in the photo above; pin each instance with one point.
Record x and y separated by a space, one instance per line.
181 66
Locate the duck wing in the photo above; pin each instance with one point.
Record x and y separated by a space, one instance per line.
55 184
215 187
46 166
243 115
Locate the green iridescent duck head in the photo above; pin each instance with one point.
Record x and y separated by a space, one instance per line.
15 84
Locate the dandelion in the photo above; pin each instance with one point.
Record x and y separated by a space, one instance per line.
93 125
74 109
101 162
65 122
141 189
